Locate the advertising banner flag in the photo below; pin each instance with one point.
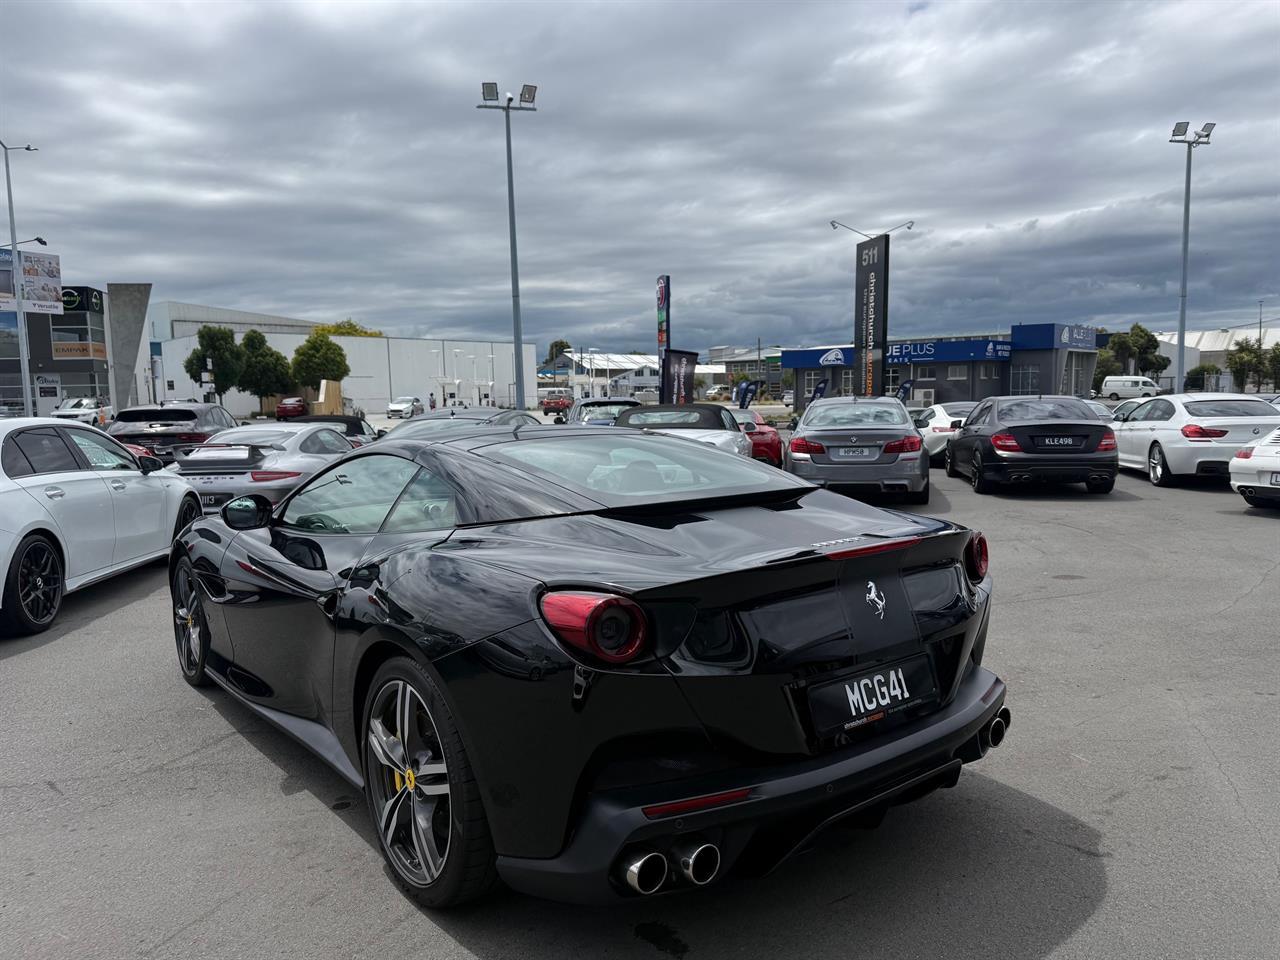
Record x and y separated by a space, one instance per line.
678 367
871 314
41 282
664 312
749 391
819 390
904 390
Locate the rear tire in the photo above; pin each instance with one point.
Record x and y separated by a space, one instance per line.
32 587
1158 471
981 485
433 877
948 464
1114 396
190 629
1100 486
918 496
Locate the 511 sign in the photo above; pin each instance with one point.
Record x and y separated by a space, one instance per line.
871 314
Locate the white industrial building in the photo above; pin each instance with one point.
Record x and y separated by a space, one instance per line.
466 371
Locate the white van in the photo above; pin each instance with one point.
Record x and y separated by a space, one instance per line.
1124 388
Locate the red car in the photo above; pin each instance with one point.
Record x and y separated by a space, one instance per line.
291 407
557 404
766 445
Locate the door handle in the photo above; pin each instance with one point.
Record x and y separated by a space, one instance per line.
117 485
54 493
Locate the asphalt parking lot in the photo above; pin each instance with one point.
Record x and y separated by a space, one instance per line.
1131 812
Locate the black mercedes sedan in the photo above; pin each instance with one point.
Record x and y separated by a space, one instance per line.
595 664
1024 439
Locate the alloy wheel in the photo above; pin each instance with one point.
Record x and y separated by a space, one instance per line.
976 479
188 620
1155 465
40 582
408 782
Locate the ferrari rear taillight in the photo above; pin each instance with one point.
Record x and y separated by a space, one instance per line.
1107 443
801 445
266 476
976 557
609 627
906 445
1244 453
1193 431
1007 442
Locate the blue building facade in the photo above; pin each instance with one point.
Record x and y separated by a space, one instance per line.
1031 358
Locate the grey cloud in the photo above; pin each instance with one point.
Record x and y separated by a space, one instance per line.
327 160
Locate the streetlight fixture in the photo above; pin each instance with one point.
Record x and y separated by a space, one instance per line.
489 94
1198 139
871 236
24 362
39 240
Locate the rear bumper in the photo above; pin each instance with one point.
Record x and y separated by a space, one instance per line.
787 805
1063 468
900 475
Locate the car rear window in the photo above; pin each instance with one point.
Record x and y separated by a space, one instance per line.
686 418
1230 408
156 415
857 414
1045 408
631 468
253 435
600 411
958 409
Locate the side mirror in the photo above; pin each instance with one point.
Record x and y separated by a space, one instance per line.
1119 417
380 434
247 513
922 423
957 424
795 422
150 464
748 427
558 419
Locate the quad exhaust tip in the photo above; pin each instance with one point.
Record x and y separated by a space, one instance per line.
699 863
648 872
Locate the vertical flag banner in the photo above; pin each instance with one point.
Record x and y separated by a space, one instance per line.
871 314
749 393
678 368
819 389
664 336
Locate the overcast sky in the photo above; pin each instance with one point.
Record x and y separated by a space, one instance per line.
326 160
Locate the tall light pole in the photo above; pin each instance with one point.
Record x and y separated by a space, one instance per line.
1260 324
474 386
457 381
491 379
1198 139
489 93
24 362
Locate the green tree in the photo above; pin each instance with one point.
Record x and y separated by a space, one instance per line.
345 328
219 345
1196 375
266 370
557 347
1245 360
318 358
1122 349
1153 364
789 379
1273 366
1108 366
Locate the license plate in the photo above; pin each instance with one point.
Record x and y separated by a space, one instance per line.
858 453
1275 479
867 697
1059 441
213 499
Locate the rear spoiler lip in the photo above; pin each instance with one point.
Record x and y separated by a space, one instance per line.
256 450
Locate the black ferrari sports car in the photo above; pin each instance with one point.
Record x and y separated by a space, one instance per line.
1023 439
599 664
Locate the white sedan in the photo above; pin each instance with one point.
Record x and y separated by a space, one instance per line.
1187 434
707 423
85 410
1255 471
938 422
76 507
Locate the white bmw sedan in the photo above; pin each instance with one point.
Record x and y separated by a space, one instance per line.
1255 471
76 507
1191 434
